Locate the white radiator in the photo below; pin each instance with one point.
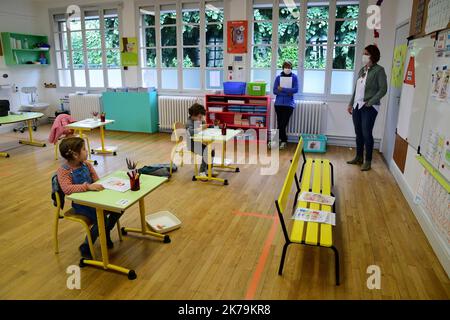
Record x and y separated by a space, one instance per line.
82 106
306 118
174 109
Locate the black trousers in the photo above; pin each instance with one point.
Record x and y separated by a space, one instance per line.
364 121
284 113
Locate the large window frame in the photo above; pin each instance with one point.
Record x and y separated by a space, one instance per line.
61 41
300 71
204 70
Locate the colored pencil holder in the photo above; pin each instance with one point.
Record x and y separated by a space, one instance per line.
135 184
102 117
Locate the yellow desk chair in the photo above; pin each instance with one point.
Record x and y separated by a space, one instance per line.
71 215
180 148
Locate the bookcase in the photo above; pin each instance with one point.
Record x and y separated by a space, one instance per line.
27 53
239 112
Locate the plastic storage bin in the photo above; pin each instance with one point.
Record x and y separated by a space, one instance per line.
316 143
256 88
237 88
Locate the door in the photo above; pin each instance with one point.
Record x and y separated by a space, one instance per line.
387 147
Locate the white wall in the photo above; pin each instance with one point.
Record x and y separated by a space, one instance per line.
19 16
404 8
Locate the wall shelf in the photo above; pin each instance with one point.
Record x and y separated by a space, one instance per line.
20 56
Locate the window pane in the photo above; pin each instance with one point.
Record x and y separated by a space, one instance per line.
114 78
289 10
262 57
288 33
111 19
191 35
57 40
169 58
78 59
91 20
80 78
317 12
314 82
64 78
148 16
262 13
168 36
214 57
315 57
96 78
150 37
168 14
214 79
149 78
316 32
61 25
191 58
346 32
191 79
94 59
169 78
262 75
112 39
151 58
214 34
93 40
74 24
214 11
113 58
344 58
288 53
65 63
76 40
190 13
262 33
342 82
64 41
347 11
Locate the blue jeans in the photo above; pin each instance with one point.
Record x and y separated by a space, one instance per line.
364 121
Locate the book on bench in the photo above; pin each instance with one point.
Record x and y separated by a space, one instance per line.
310 215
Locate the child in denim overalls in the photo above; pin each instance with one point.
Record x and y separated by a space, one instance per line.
78 175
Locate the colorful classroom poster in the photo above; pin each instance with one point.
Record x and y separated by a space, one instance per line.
129 51
398 65
237 36
435 201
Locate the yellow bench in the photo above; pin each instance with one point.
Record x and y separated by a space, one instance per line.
320 172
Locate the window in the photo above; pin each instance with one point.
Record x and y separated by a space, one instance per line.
303 29
87 49
182 44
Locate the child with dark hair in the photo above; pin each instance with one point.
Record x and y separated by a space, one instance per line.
78 175
195 124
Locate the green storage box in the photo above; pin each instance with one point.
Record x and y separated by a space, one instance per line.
316 143
256 88
132 111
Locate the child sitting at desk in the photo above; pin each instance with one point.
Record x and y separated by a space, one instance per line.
78 175
196 123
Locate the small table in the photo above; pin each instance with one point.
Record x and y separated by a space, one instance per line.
111 200
23 116
91 124
208 137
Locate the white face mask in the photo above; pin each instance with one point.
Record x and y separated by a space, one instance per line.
365 59
287 71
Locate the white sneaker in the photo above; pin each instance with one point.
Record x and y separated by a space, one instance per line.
203 175
283 145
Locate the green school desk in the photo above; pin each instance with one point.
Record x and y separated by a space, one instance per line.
91 124
24 116
208 137
110 200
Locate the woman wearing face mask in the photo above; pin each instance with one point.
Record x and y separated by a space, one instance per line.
284 103
370 87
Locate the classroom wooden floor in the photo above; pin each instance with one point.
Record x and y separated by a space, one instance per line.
230 243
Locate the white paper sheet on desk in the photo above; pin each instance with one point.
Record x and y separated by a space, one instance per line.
116 184
286 82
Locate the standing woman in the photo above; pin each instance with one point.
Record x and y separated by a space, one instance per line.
284 103
371 86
